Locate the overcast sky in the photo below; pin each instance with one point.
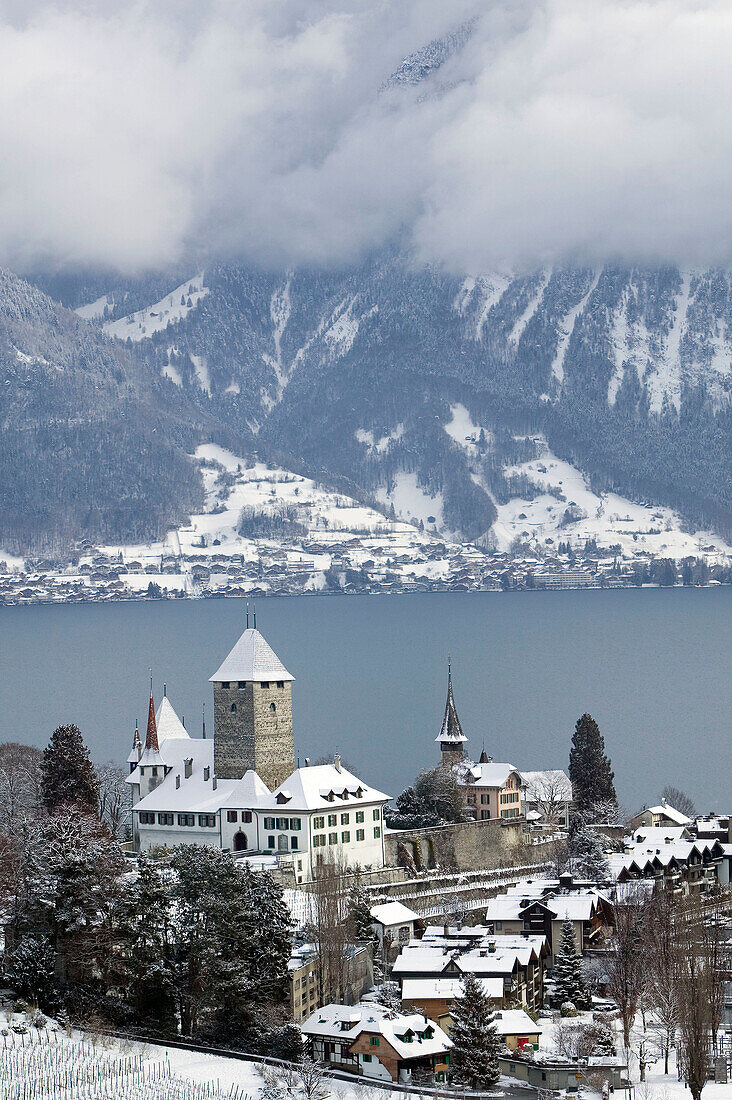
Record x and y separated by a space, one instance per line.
134 133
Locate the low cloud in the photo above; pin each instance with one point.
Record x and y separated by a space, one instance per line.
136 133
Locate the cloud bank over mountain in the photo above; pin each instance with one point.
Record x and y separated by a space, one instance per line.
518 133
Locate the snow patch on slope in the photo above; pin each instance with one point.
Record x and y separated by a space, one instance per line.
665 380
528 313
92 311
567 328
170 310
202 373
378 446
411 501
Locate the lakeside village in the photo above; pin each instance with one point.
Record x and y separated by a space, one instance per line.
491 928
267 531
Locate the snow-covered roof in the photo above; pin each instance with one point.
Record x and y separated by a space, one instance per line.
490 775
514 1021
169 724
664 810
252 658
660 834
553 783
504 907
575 906
306 789
325 787
447 989
347 1022
393 912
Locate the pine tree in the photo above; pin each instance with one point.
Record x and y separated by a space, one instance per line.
569 982
589 768
67 774
144 934
587 857
473 1032
360 927
31 972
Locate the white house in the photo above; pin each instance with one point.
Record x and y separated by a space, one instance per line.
394 921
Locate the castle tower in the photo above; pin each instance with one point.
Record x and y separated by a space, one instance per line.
253 713
451 738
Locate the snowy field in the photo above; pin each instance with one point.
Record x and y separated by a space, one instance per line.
608 517
168 311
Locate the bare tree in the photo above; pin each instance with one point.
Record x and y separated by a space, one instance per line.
679 800
628 965
695 984
662 993
115 800
550 791
331 911
311 1076
20 784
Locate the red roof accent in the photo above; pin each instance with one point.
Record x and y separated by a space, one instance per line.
151 741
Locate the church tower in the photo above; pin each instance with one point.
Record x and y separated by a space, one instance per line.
253 713
451 738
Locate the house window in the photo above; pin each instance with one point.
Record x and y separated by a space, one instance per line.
232 815
155 771
270 842
318 822
332 838
332 820
246 815
374 1041
165 819
295 823
377 815
147 818
294 843
187 819
283 822
360 834
319 840
367 1057
269 823
345 819
359 816
207 821
345 837
377 832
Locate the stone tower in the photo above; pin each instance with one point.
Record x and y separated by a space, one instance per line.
253 713
451 738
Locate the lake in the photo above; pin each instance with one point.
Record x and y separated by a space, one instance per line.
651 665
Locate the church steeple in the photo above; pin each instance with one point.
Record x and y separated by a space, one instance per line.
151 738
451 738
136 751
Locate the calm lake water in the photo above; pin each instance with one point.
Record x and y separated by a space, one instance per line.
652 666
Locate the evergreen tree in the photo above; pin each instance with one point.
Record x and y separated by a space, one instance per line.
473 1032
569 982
589 768
31 972
68 777
145 938
587 857
360 927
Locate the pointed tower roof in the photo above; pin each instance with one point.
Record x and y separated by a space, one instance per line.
451 732
136 750
168 723
151 754
252 658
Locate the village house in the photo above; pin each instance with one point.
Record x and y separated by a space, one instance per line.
393 924
662 816
374 1042
240 790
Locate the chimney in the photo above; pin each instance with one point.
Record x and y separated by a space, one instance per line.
664 802
206 774
492 946
188 767
307 761
177 782
337 762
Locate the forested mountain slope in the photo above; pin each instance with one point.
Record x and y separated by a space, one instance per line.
627 373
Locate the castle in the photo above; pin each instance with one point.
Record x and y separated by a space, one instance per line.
241 791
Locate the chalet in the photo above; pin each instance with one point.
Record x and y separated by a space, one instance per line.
374 1042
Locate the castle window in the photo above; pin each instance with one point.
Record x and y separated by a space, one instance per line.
377 832
332 838
360 835
345 837
187 819
280 683
319 840
318 822
359 816
345 819
272 708
242 685
233 708
332 819
282 823
265 683
207 821
294 843
295 823
225 684
246 815
377 815
232 815
270 842
165 819
147 818
269 823
155 771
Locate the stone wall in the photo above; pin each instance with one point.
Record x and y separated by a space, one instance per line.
256 734
470 846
